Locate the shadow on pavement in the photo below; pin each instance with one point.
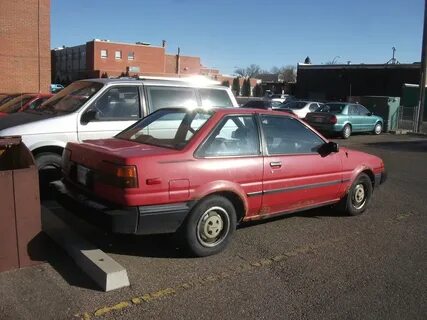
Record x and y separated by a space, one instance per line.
408 146
42 248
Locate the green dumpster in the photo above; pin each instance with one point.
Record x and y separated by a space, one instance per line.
385 107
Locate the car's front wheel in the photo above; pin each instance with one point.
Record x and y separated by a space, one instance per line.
378 128
209 227
358 197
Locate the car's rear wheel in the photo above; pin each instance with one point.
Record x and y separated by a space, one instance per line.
358 197
378 128
346 131
210 226
49 165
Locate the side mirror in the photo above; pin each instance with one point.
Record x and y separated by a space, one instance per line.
328 148
88 116
370 113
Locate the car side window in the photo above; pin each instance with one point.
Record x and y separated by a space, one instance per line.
362 110
286 135
352 109
313 107
166 97
118 103
234 136
36 103
215 98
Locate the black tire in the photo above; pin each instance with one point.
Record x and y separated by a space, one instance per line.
48 160
209 226
358 197
346 131
378 128
49 165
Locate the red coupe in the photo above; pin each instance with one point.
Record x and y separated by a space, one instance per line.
200 172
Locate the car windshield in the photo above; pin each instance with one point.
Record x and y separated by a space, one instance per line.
332 108
169 128
14 104
71 98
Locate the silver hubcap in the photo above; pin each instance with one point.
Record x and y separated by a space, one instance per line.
213 227
378 129
359 197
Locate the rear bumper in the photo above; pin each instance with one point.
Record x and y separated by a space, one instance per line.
326 127
153 219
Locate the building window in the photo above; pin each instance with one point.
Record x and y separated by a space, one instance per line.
118 54
131 55
104 54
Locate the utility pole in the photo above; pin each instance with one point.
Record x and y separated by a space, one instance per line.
423 71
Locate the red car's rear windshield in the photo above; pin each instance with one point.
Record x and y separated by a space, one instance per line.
169 128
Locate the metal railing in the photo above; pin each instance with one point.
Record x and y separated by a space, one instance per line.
406 118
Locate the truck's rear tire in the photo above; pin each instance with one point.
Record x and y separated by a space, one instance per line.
48 160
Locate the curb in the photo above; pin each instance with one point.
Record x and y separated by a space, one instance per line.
99 266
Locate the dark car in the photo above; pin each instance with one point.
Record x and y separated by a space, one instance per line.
262 104
200 172
267 105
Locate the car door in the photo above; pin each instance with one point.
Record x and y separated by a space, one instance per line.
295 174
232 153
354 118
115 110
368 122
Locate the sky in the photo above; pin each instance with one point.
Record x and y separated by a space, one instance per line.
227 34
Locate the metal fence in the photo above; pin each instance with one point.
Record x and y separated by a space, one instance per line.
406 118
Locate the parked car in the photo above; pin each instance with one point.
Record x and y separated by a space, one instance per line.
200 172
262 104
301 108
281 97
23 102
267 105
5 97
101 108
55 87
344 118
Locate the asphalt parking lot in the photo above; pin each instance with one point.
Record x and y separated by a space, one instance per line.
310 265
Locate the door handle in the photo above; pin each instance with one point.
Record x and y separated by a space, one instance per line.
276 164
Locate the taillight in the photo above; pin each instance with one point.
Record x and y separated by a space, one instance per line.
121 176
333 119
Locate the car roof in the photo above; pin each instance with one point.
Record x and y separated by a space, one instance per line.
186 81
232 111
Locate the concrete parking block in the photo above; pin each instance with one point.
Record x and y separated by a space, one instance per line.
104 270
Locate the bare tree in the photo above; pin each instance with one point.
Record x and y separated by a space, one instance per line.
287 73
251 72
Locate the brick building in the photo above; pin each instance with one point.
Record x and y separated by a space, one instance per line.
104 58
25 46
